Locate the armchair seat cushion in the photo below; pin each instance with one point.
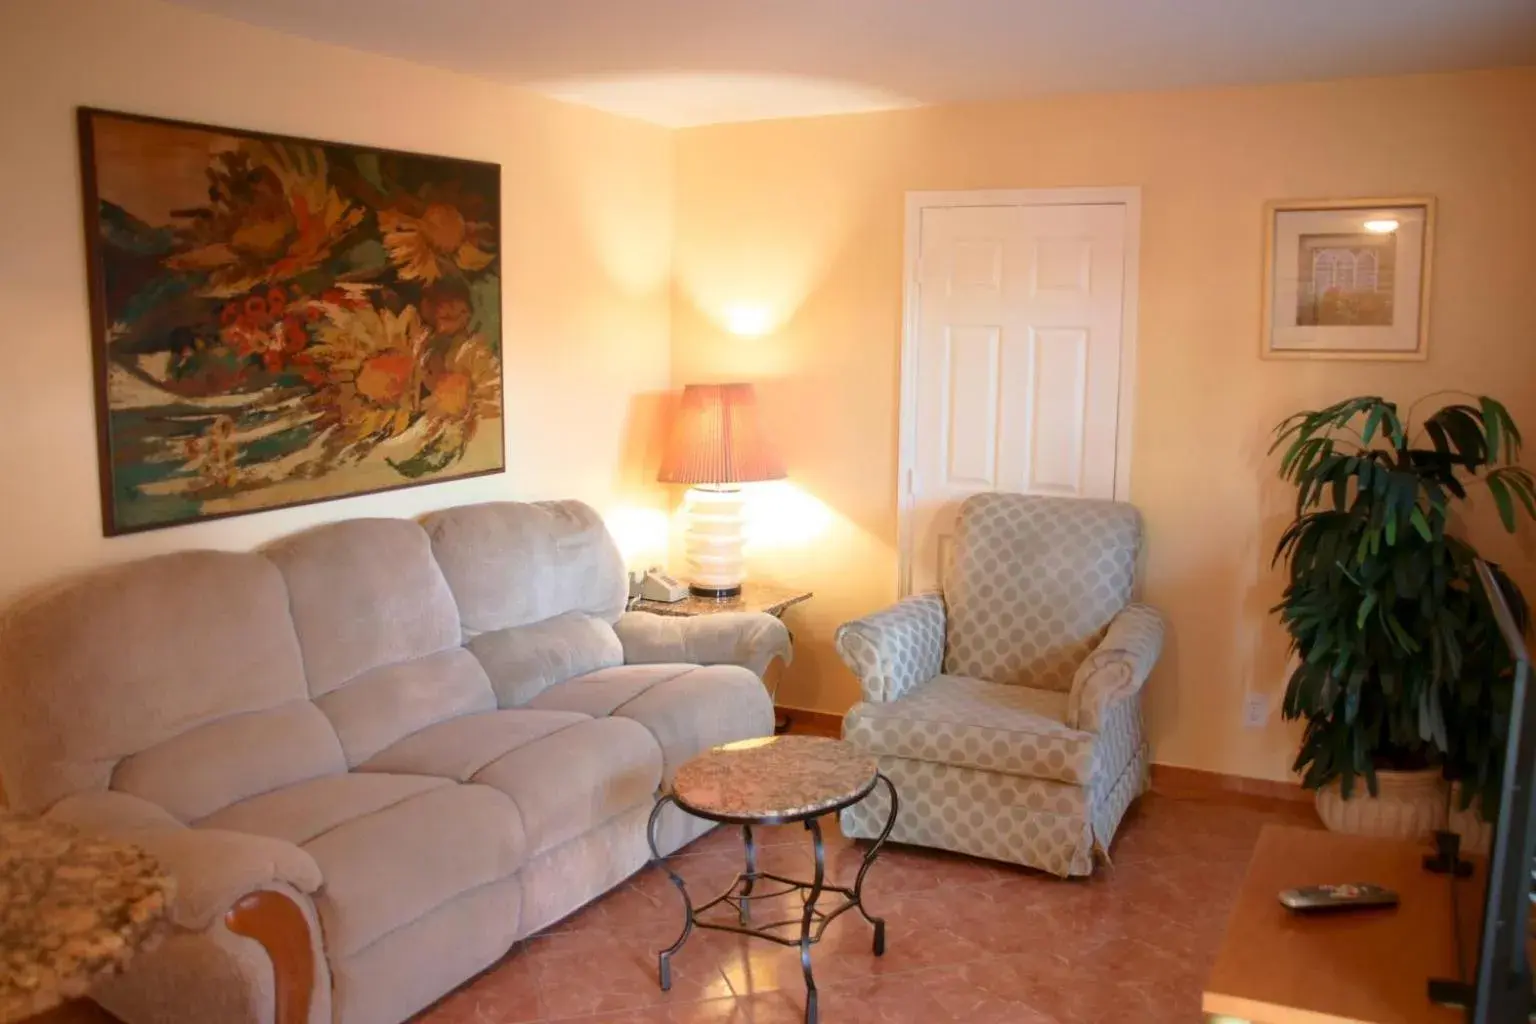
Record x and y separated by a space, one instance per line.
969 723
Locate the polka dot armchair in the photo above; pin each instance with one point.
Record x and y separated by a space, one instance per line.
1007 709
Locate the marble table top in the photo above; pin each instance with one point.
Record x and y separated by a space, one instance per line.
773 777
73 910
754 597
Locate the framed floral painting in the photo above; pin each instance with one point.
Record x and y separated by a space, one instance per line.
1348 278
278 320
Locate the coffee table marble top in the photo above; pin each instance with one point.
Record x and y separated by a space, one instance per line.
73 910
774 777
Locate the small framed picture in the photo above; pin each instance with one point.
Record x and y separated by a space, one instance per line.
1347 278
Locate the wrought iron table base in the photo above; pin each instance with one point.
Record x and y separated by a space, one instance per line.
743 891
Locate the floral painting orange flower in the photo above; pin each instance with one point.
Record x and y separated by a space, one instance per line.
282 320
427 247
271 216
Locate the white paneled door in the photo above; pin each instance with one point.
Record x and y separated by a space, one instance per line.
1017 337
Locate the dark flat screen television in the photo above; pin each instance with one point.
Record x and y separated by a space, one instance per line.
1499 991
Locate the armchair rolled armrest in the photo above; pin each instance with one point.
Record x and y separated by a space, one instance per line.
1118 666
749 639
893 650
214 869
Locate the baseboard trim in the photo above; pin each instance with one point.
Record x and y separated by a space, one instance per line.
811 722
1174 780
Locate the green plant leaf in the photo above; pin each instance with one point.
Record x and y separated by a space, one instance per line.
1416 517
1493 417
1502 499
1365 609
1372 420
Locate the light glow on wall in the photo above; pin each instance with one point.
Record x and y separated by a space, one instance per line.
748 321
781 516
641 533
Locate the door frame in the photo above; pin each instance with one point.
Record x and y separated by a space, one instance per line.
1128 196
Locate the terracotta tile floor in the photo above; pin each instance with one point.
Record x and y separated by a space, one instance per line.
966 940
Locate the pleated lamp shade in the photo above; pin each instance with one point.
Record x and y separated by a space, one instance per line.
718 438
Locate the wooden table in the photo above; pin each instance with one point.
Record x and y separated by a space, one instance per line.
1360 967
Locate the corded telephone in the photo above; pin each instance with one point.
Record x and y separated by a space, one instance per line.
656 585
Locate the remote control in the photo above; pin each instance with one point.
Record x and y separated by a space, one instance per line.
1313 898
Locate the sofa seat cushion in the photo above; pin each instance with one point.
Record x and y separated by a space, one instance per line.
578 778
308 810
600 693
458 748
386 869
697 708
955 720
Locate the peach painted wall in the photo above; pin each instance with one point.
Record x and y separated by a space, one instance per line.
799 223
586 222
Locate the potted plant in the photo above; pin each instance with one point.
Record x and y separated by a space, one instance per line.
1400 677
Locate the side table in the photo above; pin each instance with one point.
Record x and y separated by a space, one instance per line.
775 780
754 597
73 910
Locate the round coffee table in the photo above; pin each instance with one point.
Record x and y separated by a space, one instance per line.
772 781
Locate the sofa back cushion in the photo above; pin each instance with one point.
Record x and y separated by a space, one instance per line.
1033 583
524 661
512 564
378 630
192 651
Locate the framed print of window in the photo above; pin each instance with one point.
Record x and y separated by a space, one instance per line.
1347 278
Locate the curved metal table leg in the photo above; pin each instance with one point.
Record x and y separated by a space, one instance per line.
812 921
745 917
869 859
809 917
664 958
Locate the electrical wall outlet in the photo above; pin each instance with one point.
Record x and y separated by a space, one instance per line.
1255 711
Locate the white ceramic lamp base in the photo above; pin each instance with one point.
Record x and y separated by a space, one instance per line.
714 542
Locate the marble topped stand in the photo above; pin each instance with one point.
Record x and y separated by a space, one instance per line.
772 781
73 910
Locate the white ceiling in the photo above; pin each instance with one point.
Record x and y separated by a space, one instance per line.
687 62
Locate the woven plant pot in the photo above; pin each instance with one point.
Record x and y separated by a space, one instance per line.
1476 834
1408 805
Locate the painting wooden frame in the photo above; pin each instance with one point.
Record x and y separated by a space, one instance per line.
279 320
1314 319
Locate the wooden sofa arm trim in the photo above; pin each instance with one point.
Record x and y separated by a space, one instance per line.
276 922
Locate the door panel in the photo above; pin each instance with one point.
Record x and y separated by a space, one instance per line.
970 439
1018 360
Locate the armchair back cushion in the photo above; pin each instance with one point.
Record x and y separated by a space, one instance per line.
101 679
1033 583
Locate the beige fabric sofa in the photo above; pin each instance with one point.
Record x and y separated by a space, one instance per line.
434 738
1007 709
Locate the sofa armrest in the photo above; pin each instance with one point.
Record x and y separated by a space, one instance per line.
1118 666
749 639
893 650
213 868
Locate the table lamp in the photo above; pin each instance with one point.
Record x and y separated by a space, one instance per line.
717 444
